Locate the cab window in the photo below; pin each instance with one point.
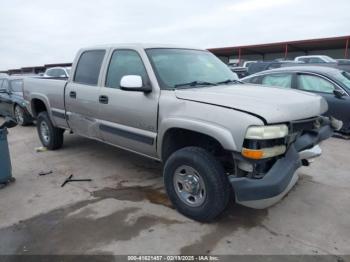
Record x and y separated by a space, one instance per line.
314 84
124 62
88 67
278 80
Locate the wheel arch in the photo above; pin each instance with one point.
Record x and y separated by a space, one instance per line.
38 104
191 133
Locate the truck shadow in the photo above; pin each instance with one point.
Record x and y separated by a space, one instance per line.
57 232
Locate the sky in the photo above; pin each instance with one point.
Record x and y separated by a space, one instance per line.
39 32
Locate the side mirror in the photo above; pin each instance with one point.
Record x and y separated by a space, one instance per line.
133 83
339 93
9 123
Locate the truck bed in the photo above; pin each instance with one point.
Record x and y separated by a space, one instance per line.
51 92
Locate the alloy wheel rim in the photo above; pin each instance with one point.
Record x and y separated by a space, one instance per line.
19 115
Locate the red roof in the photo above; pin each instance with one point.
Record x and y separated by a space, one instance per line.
280 47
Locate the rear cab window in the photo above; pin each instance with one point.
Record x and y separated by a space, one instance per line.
89 66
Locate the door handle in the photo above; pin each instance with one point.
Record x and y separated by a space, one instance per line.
73 94
103 99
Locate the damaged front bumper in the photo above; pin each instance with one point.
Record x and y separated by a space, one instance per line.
276 183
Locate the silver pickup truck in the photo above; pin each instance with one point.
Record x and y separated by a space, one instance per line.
216 137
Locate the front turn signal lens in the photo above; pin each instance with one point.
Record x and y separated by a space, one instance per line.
253 154
264 152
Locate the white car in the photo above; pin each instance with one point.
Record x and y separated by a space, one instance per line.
59 72
315 59
247 63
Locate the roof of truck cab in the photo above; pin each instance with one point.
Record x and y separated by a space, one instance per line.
140 45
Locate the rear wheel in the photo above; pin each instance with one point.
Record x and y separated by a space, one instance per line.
51 137
21 116
196 184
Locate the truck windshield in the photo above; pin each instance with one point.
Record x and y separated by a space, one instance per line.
181 68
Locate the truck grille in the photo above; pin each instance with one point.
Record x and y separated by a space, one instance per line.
304 125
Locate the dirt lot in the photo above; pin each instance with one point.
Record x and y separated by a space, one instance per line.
124 209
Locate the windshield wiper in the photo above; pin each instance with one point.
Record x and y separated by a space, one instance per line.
229 81
196 83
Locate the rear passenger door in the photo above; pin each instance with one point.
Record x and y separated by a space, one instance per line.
82 94
128 118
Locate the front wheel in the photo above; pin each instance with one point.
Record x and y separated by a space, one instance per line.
51 137
196 184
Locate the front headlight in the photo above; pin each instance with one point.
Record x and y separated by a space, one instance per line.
264 141
267 132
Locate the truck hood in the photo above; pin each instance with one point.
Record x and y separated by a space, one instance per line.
275 105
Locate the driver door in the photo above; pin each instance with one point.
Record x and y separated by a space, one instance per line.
128 119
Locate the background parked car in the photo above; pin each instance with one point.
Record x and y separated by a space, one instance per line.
343 61
267 65
12 102
239 71
57 72
331 83
247 63
315 59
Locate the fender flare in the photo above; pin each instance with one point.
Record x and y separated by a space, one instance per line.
46 102
219 133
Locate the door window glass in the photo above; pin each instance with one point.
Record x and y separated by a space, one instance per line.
314 83
89 66
279 80
124 62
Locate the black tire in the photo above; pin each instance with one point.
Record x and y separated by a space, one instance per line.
22 118
217 187
54 138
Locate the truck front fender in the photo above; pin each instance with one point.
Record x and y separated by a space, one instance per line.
219 133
